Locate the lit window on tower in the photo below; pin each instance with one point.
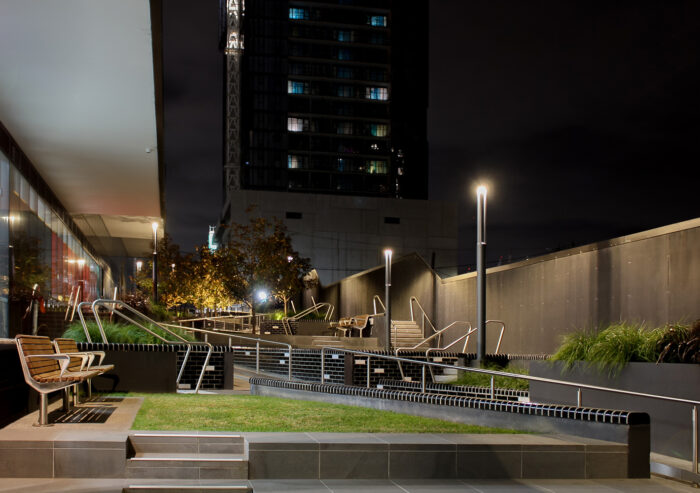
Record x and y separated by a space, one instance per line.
296 87
299 14
376 166
294 162
344 54
377 93
377 20
378 130
297 124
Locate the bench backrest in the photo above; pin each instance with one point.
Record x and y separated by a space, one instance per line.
30 345
64 345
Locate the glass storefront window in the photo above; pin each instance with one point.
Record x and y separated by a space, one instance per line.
40 259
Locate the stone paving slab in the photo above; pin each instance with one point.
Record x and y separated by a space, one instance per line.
653 485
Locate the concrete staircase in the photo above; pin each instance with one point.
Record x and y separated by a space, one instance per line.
406 333
187 457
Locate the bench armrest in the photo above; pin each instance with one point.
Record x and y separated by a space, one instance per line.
86 356
63 359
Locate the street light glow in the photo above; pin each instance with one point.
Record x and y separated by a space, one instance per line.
481 190
262 295
154 225
388 252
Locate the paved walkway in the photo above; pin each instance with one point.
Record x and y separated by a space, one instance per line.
653 485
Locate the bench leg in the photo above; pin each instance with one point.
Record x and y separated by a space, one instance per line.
43 410
75 395
89 389
66 399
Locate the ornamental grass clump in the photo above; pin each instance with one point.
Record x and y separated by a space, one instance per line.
612 348
121 333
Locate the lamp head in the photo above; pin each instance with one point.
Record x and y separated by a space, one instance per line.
481 190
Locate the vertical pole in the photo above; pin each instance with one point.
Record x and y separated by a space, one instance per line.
492 389
422 379
481 273
695 440
257 357
368 372
579 398
387 299
155 262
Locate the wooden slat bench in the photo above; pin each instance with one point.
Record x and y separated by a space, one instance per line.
46 372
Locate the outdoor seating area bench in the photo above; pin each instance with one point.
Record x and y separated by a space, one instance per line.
45 370
360 323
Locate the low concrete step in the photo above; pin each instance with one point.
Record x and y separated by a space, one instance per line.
186 456
189 488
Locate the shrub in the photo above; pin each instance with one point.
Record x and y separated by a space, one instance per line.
122 333
620 343
680 344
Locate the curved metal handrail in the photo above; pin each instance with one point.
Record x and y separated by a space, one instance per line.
182 340
425 315
258 341
437 334
314 308
376 298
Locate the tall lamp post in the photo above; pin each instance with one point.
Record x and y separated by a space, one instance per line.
387 299
155 262
480 273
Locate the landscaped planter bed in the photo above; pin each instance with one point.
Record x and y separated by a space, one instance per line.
671 429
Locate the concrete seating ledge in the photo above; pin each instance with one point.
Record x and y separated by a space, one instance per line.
65 454
626 427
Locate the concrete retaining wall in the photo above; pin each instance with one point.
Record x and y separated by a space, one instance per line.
652 276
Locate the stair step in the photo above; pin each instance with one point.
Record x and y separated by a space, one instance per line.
187 456
187 488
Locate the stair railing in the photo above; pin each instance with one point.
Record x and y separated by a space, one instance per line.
376 299
255 339
424 316
286 321
180 340
438 335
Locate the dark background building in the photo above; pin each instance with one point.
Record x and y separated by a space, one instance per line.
334 96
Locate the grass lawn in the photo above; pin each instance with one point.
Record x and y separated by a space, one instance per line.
259 413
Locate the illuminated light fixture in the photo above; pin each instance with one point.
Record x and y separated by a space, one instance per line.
388 252
139 264
481 272
262 295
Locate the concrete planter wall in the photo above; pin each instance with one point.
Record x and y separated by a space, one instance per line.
671 432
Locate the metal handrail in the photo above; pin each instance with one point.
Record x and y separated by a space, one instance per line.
529 378
437 334
314 308
376 298
182 340
425 315
471 331
226 319
257 346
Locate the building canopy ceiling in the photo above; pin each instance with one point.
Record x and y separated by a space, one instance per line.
77 93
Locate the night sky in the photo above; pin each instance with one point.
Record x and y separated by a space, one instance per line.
582 116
